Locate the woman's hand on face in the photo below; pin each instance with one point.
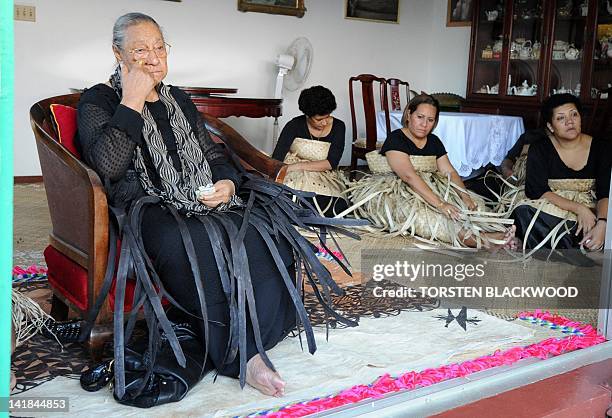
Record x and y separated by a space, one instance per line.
450 211
136 83
594 239
586 220
224 190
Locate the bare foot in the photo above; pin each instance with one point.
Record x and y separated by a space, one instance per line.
263 379
508 240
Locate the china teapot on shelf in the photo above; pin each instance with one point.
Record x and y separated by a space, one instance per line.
492 15
572 53
562 90
489 89
492 89
525 89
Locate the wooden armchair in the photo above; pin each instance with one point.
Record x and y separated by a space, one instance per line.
361 146
78 242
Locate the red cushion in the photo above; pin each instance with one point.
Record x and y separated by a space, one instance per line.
67 277
66 121
70 279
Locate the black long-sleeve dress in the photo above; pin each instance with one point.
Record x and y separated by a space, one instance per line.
108 135
544 164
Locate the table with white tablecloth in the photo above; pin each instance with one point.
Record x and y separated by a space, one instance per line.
472 140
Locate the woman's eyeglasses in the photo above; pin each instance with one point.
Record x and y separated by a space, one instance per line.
161 51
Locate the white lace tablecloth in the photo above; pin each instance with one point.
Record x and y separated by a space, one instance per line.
472 140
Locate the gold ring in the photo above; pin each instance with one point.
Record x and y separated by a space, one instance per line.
140 62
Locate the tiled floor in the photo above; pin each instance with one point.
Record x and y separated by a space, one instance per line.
31 224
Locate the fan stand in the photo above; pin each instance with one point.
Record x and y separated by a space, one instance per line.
284 63
278 95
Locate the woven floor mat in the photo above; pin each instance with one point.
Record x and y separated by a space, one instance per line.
40 359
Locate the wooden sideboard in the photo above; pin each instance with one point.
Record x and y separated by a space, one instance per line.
213 101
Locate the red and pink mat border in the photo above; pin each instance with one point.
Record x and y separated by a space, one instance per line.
578 336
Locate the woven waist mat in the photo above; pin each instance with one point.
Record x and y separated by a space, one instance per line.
378 163
577 190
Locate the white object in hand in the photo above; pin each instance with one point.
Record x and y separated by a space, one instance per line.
205 190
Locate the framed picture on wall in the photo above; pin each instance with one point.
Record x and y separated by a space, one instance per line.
276 7
459 13
386 11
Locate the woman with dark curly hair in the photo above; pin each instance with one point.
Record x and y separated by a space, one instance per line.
312 145
565 202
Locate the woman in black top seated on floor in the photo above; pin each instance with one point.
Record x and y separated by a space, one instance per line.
312 145
567 183
145 138
414 189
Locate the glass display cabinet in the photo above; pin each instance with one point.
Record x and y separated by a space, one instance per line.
522 51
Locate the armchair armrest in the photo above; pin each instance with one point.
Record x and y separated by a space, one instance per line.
273 169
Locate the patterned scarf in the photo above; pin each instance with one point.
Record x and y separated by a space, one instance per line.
178 188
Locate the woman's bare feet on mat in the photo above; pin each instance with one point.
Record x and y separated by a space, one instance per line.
263 379
508 238
511 241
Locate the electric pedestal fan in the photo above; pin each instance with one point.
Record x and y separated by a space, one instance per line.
293 70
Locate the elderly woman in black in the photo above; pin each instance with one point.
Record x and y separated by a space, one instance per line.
567 183
148 143
312 145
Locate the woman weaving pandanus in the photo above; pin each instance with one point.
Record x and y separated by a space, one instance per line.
565 200
311 145
416 191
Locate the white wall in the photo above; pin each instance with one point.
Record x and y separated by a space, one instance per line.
449 54
215 45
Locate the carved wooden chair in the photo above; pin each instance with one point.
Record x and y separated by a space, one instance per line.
78 242
361 146
395 95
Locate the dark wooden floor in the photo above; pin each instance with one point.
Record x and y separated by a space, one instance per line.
584 392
